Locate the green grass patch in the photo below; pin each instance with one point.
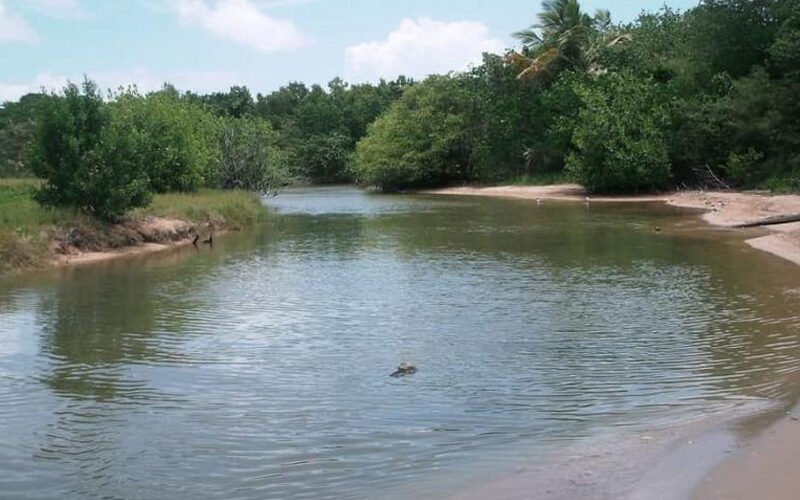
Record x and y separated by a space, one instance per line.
232 209
24 235
28 230
20 213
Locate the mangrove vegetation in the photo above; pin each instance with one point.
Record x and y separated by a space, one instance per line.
705 97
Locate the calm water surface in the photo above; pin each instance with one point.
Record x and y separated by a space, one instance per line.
259 368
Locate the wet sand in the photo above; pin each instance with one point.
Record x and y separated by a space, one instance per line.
725 209
663 464
732 209
716 463
765 467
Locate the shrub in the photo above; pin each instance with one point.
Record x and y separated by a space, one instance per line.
323 157
180 148
618 137
249 156
87 159
421 141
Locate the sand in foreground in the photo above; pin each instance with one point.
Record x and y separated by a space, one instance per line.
765 468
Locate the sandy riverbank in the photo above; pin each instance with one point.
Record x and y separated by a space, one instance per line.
727 209
763 467
731 209
151 235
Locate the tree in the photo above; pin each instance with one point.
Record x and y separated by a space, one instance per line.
565 38
324 158
784 53
88 158
181 151
507 120
249 156
17 127
732 36
236 103
423 140
618 136
319 127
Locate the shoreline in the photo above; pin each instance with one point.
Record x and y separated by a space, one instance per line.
722 209
663 463
156 234
33 238
674 473
716 463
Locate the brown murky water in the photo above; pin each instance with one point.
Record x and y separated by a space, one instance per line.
259 369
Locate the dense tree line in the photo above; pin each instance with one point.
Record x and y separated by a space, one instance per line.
706 96
709 96
17 126
108 154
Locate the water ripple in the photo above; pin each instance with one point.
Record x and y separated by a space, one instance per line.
259 369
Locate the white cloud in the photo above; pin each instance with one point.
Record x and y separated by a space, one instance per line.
421 47
243 22
14 28
144 79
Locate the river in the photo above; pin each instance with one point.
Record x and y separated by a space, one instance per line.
259 368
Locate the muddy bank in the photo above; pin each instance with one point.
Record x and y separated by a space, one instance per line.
81 245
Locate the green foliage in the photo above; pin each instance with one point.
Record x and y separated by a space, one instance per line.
561 104
784 53
324 158
506 123
742 168
656 49
750 135
565 38
671 98
250 157
731 36
179 148
618 137
17 129
88 158
319 128
420 141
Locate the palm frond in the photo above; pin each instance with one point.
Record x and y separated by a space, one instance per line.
532 67
529 37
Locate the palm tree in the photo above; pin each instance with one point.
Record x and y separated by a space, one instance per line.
564 38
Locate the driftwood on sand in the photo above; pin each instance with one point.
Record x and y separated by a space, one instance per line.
770 221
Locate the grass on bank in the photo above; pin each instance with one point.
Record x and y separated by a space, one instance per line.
233 209
28 231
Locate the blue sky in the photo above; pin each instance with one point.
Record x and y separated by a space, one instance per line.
208 45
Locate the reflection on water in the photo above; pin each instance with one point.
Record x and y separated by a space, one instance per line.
258 368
